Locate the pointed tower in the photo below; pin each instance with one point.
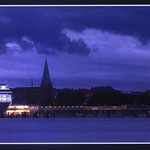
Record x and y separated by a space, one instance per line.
46 82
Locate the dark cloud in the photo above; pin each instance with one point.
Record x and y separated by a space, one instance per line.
120 20
44 25
45 33
66 45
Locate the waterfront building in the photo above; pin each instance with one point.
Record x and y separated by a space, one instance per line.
19 110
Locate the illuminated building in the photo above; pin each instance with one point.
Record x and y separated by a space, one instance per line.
20 109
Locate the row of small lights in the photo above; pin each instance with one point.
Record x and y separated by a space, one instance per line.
62 107
79 106
48 107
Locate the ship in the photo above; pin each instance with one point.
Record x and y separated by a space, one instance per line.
5 98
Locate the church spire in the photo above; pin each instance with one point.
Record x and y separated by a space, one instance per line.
46 82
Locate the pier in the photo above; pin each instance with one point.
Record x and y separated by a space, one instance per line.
76 111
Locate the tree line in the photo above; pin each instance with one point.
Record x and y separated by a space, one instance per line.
100 96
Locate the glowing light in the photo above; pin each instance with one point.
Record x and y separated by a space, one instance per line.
4 96
3 87
16 112
13 111
22 107
3 99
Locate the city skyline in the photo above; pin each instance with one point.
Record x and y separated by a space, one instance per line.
84 46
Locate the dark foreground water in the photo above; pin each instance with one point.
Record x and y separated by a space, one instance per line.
74 130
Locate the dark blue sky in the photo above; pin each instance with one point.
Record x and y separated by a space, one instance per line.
85 46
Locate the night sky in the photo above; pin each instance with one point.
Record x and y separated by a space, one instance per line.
84 46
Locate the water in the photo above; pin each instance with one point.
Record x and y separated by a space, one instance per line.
74 130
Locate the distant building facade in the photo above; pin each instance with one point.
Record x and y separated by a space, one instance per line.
42 95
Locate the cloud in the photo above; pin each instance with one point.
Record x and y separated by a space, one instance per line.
12 47
66 45
44 25
118 20
32 30
117 58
